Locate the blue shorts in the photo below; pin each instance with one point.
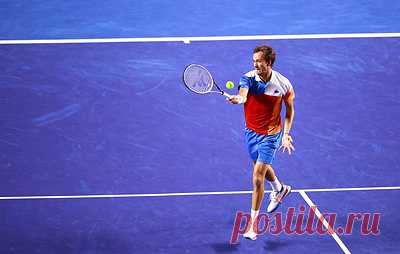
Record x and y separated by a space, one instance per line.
261 147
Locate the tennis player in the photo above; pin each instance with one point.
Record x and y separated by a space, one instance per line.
262 91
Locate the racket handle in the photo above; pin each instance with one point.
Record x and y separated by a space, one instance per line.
226 94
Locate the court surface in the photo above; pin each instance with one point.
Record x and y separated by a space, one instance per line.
103 150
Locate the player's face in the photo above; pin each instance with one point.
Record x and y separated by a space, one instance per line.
263 67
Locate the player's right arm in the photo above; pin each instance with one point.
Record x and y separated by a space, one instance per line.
241 97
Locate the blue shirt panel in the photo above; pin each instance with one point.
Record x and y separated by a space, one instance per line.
254 86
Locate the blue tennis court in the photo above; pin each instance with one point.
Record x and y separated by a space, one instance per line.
103 149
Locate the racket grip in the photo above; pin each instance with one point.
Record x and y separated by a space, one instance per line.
226 94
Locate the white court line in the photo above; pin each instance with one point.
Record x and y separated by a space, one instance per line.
350 189
186 193
206 38
325 223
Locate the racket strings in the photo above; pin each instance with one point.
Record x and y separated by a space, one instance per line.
198 79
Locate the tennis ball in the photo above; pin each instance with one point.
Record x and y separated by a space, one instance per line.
229 85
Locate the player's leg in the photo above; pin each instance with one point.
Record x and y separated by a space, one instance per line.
252 139
272 179
259 174
259 171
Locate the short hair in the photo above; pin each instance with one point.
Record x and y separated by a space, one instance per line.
268 52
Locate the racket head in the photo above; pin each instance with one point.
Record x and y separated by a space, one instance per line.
198 79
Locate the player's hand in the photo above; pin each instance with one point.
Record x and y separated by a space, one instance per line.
235 99
287 144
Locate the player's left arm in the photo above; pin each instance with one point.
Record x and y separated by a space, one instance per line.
287 140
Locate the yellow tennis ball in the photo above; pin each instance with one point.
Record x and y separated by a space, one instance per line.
229 85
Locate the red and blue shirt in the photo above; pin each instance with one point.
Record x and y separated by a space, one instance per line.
262 109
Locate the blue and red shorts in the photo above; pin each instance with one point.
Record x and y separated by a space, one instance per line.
261 147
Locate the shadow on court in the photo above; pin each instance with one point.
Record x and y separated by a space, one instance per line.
273 245
224 247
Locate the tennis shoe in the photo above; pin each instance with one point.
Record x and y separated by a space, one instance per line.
276 198
250 234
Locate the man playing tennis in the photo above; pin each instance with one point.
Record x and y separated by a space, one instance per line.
262 91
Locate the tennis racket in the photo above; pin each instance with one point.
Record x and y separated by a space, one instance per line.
199 80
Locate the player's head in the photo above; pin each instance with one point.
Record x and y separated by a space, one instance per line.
263 59
268 53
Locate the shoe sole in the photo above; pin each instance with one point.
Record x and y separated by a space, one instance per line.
284 196
251 239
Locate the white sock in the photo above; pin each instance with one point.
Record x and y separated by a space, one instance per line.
276 185
254 215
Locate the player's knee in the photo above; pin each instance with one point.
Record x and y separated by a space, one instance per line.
258 181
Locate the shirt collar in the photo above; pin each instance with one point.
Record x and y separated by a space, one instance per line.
258 79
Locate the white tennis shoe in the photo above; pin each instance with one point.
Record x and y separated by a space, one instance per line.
277 197
251 235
